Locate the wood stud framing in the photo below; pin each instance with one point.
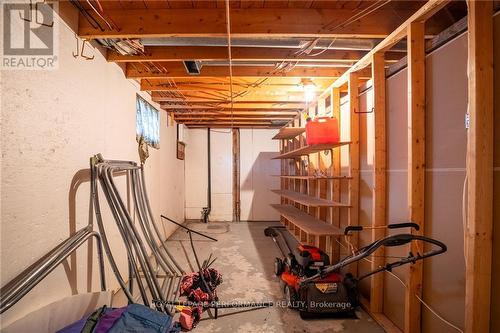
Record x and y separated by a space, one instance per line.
416 166
479 168
379 172
353 214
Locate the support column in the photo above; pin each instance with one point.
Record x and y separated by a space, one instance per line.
479 168
416 167
379 173
353 217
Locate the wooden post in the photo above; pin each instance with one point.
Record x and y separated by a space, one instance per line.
236 175
416 166
379 173
336 171
353 217
479 168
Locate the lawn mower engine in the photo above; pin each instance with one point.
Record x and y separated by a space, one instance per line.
332 293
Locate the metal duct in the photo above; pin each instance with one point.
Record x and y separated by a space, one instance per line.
361 44
235 63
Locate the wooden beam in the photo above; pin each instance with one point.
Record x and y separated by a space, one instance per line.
270 106
379 186
177 70
479 168
237 112
416 167
282 22
166 85
227 103
241 96
219 53
353 212
336 172
228 118
227 123
421 15
205 100
229 126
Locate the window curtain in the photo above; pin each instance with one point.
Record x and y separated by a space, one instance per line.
147 123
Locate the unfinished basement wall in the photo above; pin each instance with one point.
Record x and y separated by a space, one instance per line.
52 122
444 276
221 167
258 175
256 170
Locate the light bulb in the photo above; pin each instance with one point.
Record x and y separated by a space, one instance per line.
309 92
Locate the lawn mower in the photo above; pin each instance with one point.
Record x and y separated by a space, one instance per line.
314 286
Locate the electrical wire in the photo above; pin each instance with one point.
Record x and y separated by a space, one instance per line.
427 305
99 14
324 50
406 287
228 27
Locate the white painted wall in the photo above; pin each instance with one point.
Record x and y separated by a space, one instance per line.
196 183
52 122
197 174
221 146
256 178
256 151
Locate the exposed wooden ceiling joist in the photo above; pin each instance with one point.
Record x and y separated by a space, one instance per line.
177 70
284 22
271 101
229 118
269 107
166 85
218 53
236 113
234 126
229 122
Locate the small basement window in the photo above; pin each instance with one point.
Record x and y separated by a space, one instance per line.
147 123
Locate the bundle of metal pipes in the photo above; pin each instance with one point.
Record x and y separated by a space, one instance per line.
148 258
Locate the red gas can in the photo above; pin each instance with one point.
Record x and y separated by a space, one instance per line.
322 130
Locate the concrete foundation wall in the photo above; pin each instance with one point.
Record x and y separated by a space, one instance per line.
52 122
256 170
257 175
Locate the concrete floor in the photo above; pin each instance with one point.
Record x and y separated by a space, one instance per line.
245 257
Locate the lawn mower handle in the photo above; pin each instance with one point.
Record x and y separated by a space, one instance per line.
389 226
390 241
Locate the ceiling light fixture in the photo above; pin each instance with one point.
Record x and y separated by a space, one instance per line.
309 90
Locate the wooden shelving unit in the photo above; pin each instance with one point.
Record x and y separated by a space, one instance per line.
306 177
289 133
301 222
309 149
313 187
308 200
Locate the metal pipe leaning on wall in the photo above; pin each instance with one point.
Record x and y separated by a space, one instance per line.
137 244
18 287
103 171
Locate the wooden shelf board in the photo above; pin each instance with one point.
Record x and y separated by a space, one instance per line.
307 200
305 177
288 133
310 149
306 222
